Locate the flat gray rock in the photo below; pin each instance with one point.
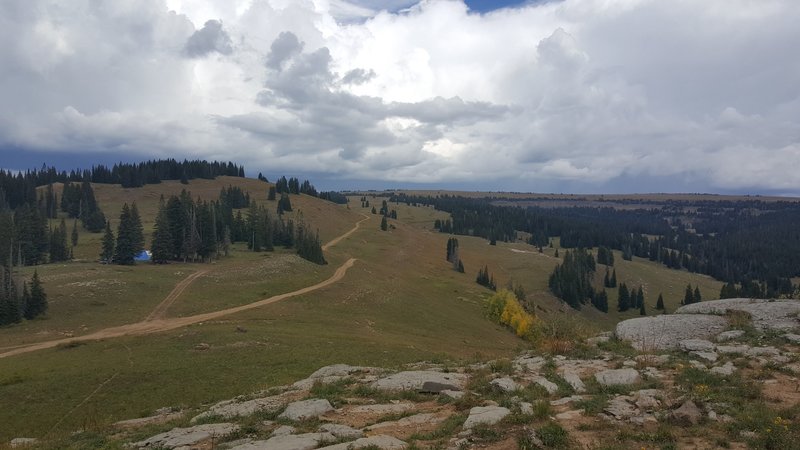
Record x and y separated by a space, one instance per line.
341 431
648 399
229 409
562 401
380 441
505 384
341 370
306 441
724 370
306 409
22 442
688 414
283 430
696 345
617 377
575 381
763 351
708 356
486 415
733 349
765 314
529 363
409 421
455 395
414 380
729 335
664 332
621 407
793 338
179 437
548 385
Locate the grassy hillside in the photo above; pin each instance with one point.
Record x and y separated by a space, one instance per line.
401 302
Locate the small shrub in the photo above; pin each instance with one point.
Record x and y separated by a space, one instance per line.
503 366
486 433
553 435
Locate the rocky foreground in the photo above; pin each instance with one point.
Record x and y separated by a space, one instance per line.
720 374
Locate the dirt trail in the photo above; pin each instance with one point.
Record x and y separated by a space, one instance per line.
161 310
336 240
159 324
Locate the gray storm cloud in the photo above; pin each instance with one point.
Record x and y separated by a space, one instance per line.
590 95
210 38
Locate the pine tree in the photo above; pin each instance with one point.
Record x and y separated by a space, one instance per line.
74 233
37 304
697 297
161 245
125 250
271 193
642 310
613 280
623 298
384 224
10 309
640 297
107 254
688 297
660 302
460 266
137 230
556 254
607 280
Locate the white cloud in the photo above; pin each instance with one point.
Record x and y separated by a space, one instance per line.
595 92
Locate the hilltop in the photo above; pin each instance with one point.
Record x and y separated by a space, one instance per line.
386 299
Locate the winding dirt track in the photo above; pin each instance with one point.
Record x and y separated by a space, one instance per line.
161 310
156 324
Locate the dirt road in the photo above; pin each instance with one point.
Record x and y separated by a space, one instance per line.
155 323
161 310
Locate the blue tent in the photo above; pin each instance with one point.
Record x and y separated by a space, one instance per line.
143 256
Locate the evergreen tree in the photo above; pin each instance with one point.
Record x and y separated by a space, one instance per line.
10 308
642 310
728 291
384 224
460 266
613 280
137 230
74 235
623 298
374 211
556 254
688 297
640 297
697 297
161 245
284 204
660 302
107 253
607 280
125 250
37 304
600 301
58 243
271 193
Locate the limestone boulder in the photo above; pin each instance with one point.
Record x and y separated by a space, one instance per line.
306 409
485 415
617 377
666 331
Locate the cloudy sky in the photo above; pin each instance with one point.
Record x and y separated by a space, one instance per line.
554 96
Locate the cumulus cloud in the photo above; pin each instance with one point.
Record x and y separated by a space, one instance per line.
210 38
591 95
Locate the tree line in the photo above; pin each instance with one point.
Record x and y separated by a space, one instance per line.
749 243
